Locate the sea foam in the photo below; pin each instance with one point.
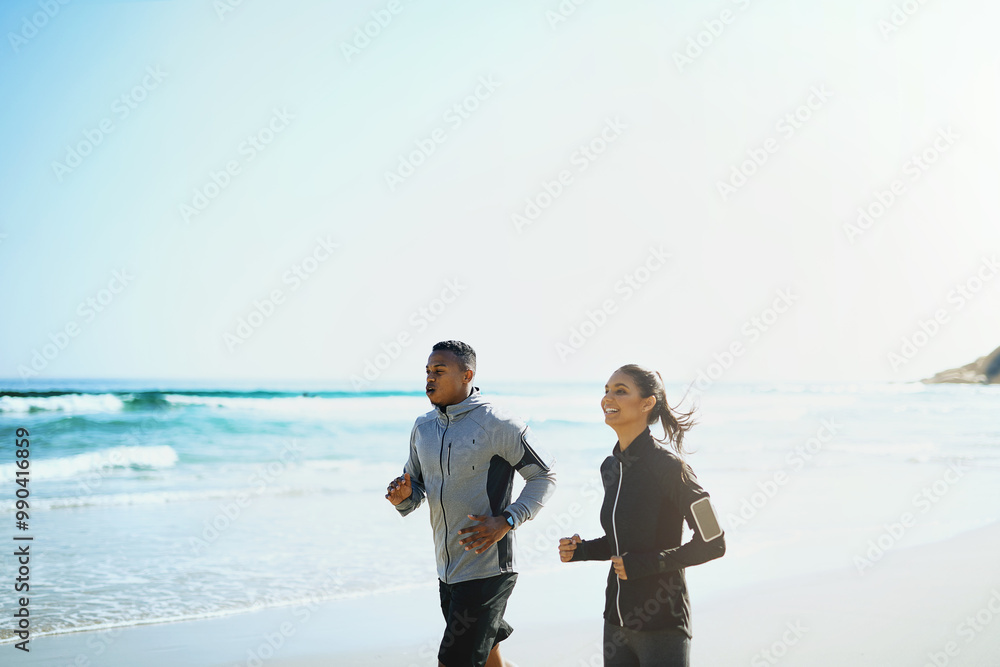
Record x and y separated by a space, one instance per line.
100 461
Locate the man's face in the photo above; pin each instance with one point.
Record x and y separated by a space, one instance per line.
447 383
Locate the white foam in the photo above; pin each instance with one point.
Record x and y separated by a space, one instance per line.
123 499
128 456
63 402
309 477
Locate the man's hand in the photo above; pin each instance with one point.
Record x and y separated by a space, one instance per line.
400 489
619 566
490 530
567 545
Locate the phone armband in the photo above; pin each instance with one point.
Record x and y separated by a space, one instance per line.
705 519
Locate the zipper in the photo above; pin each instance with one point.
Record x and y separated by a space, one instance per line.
618 551
444 516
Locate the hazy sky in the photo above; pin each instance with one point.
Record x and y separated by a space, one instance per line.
340 177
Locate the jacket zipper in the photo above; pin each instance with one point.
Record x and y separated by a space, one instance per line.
444 516
618 552
449 458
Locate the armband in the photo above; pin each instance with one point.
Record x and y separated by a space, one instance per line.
705 519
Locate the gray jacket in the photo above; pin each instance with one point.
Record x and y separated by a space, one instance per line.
462 460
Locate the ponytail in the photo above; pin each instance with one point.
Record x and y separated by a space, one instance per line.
675 423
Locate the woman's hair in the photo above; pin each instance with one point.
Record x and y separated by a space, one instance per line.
675 424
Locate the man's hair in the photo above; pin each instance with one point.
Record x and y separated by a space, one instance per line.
466 355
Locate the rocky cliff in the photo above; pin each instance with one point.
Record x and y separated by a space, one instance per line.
984 370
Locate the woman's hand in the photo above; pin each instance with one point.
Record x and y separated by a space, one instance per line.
567 545
619 566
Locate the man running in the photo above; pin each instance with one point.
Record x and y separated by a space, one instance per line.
463 455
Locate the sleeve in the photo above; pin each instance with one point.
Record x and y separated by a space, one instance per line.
416 478
683 491
599 549
521 451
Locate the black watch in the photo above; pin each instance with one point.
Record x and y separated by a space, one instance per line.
510 519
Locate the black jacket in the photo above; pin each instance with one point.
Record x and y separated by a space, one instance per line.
648 493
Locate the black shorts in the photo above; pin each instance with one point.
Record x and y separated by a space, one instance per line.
473 613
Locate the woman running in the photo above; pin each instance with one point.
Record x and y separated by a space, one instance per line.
649 491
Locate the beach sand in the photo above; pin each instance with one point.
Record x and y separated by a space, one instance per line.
931 602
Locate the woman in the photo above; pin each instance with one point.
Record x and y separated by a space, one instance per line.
648 492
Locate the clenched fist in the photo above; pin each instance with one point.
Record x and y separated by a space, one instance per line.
400 489
567 545
619 565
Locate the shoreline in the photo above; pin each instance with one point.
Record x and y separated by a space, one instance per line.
915 604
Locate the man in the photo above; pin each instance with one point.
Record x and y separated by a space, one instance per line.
463 455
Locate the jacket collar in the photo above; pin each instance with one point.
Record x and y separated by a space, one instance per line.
450 413
643 443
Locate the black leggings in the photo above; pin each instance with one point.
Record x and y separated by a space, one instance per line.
628 648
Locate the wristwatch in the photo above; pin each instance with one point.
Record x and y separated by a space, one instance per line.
510 519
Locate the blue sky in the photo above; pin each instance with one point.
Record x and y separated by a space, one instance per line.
608 125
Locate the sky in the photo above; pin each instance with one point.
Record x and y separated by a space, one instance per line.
746 190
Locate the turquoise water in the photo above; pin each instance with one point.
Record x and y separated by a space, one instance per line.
155 502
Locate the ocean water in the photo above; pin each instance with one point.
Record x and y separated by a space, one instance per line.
154 502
